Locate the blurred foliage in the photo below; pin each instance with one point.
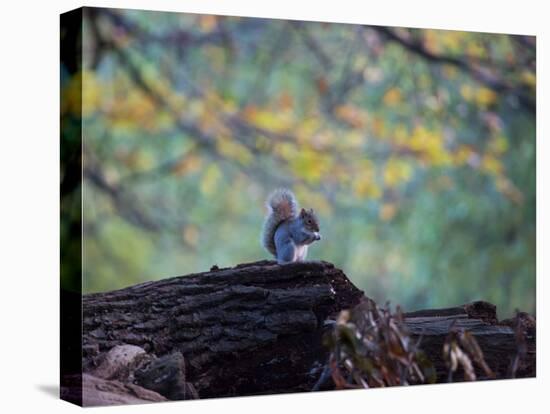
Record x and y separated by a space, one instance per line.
416 148
461 350
71 153
371 347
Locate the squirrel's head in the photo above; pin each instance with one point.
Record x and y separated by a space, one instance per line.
310 220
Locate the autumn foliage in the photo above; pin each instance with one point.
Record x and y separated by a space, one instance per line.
415 147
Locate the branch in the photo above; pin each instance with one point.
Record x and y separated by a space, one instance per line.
313 45
127 209
482 75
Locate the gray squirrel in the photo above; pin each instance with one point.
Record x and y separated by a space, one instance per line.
286 232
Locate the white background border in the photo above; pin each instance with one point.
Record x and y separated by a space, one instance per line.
29 190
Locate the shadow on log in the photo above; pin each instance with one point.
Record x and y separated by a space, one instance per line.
253 329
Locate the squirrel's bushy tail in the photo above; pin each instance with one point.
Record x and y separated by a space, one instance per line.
282 206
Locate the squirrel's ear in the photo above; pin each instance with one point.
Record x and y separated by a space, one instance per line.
302 212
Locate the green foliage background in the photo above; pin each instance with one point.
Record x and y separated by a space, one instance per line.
415 147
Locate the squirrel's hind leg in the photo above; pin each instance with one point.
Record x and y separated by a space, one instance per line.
286 252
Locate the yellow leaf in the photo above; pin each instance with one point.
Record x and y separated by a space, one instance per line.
498 145
432 40
451 39
401 134
272 120
208 22
311 165
234 150
396 172
474 49
379 127
363 182
392 97
467 92
366 188
485 97
491 165
430 145
262 143
354 139
529 78
462 155
91 93
286 150
351 115
210 180
314 199
187 165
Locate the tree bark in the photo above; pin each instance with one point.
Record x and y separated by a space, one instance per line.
497 340
257 328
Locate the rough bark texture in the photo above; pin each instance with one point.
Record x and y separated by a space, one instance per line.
497 340
256 328
253 329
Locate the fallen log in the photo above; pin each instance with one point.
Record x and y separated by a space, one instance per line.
253 329
257 328
498 341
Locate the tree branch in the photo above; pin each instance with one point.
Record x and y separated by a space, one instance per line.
482 75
